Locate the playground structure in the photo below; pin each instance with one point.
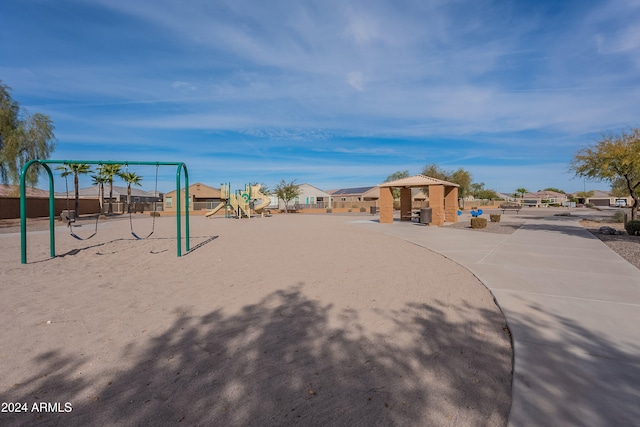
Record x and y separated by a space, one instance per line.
242 202
45 164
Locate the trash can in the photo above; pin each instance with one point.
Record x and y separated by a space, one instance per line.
373 210
425 216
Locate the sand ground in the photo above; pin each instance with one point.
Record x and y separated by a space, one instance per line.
287 320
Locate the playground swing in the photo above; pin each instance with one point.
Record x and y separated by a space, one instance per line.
155 201
70 221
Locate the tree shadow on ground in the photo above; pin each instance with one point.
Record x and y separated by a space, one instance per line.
570 229
290 360
572 375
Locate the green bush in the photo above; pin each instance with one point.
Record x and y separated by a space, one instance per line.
494 217
329 210
633 227
363 209
618 217
154 213
478 223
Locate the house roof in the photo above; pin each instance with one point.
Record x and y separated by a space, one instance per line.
93 192
417 181
350 191
506 196
8 190
600 194
545 195
313 186
199 190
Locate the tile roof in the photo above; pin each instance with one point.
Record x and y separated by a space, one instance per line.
8 190
356 190
417 181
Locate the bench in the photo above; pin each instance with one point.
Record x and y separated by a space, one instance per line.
415 215
412 216
511 208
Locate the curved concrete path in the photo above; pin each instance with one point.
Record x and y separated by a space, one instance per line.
573 308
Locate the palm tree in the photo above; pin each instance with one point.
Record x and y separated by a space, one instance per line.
75 169
521 191
100 179
109 171
130 178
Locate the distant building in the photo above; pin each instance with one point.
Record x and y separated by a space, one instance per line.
543 199
310 197
119 194
605 198
201 197
356 194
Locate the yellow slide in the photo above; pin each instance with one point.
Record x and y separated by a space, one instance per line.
216 209
256 194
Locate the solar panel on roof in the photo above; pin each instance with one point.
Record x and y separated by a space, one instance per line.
358 190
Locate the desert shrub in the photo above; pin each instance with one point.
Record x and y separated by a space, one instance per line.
618 217
363 209
633 227
494 217
154 213
349 210
478 223
329 210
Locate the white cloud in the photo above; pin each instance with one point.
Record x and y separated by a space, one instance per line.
183 85
361 29
356 80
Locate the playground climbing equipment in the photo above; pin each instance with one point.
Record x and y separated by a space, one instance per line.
45 164
241 202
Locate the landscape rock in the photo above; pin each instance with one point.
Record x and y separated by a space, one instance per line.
607 230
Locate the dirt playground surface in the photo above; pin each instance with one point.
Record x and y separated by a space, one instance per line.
288 320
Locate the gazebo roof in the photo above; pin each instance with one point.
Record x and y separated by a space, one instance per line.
417 181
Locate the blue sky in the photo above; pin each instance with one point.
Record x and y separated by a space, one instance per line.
333 93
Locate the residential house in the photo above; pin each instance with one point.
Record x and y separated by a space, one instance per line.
354 197
605 198
544 198
310 197
201 197
119 194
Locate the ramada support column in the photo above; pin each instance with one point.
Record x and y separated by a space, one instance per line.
451 204
386 205
436 203
405 204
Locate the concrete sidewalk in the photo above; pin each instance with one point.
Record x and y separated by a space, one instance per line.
573 308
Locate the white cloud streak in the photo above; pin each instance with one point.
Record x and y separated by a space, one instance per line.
319 72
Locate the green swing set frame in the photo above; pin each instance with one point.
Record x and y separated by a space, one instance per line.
52 244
